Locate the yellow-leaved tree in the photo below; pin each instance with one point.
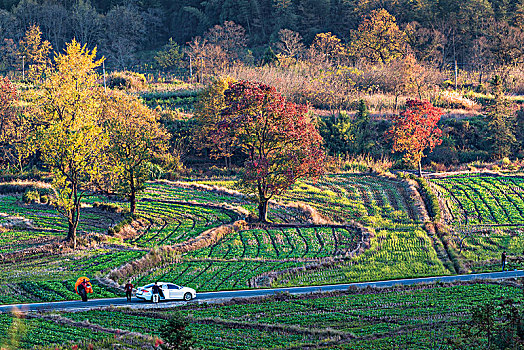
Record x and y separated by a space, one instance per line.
210 103
378 38
35 52
66 133
135 138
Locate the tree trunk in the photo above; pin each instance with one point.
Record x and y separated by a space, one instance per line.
132 201
73 216
71 233
419 169
262 210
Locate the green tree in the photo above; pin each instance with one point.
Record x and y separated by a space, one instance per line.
345 135
362 140
135 138
66 131
336 130
170 56
500 323
501 121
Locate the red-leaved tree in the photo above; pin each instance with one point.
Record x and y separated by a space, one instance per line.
281 142
415 130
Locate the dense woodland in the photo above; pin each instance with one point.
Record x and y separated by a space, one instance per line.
474 33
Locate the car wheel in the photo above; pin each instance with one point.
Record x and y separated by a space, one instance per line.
187 296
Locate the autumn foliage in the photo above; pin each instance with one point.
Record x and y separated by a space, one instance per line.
8 98
135 138
415 130
281 142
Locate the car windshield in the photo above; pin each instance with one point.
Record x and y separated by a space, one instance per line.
148 286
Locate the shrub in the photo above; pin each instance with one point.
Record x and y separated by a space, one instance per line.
156 172
110 207
24 186
127 80
31 196
176 334
472 156
118 227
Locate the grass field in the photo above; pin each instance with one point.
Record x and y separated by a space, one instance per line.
49 275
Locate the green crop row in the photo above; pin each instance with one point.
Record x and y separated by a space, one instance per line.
421 316
285 243
487 214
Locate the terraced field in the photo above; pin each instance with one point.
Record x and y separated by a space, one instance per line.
487 217
45 217
172 223
251 258
49 274
51 278
356 197
237 260
483 200
291 252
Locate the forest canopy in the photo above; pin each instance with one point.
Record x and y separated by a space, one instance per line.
470 32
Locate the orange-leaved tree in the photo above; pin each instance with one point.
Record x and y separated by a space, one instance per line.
207 112
280 141
415 130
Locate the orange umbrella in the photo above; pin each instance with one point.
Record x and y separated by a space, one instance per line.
89 288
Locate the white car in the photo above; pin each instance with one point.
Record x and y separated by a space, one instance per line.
169 290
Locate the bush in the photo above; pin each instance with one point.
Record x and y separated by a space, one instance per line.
455 100
110 207
156 172
127 81
176 334
118 227
31 196
472 156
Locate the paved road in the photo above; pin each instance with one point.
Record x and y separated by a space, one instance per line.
210 297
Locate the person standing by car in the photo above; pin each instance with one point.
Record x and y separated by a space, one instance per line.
156 293
129 290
